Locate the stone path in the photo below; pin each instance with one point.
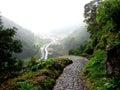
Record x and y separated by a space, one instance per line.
71 79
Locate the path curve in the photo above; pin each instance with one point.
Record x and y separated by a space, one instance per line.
71 78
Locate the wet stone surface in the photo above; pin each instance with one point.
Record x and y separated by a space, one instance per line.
71 78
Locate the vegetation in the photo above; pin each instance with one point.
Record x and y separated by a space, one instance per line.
9 65
29 75
70 41
76 38
102 71
40 76
30 42
95 72
57 50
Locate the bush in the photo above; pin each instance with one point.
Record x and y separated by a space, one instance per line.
33 61
74 52
95 70
47 84
95 66
43 78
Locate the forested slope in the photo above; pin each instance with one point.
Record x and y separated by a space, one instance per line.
72 39
27 38
76 38
102 71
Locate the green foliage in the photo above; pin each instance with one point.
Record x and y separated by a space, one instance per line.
90 10
88 48
43 64
47 83
103 23
84 50
95 66
33 61
95 70
113 84
35 67
47 64
41 76
74 52
8 46
108 14
108 17
26 86
17 66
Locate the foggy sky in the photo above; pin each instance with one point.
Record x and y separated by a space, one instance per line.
44 15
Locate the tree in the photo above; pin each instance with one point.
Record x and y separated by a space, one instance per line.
8 46
90 10
33 61
108 15
93 27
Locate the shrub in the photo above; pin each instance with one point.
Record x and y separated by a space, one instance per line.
43 77
95 66
74 52
47 84
33 61
95 71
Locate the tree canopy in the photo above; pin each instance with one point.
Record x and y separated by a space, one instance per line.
103 23
8 46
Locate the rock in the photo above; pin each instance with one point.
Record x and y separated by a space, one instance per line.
113 61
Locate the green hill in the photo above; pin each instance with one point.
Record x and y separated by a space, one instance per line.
27 38
102 72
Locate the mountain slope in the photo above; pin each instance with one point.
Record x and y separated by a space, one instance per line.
27 38
76 38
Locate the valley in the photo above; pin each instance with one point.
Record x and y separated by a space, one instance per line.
70 45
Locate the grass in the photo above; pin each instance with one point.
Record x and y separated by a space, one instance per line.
94 71
41 76
95 75
26 86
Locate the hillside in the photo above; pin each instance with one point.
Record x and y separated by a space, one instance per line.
40 76
102 72
76 38
98 40
27 38
72 40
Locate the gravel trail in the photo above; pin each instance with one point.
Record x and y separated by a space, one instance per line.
71 78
